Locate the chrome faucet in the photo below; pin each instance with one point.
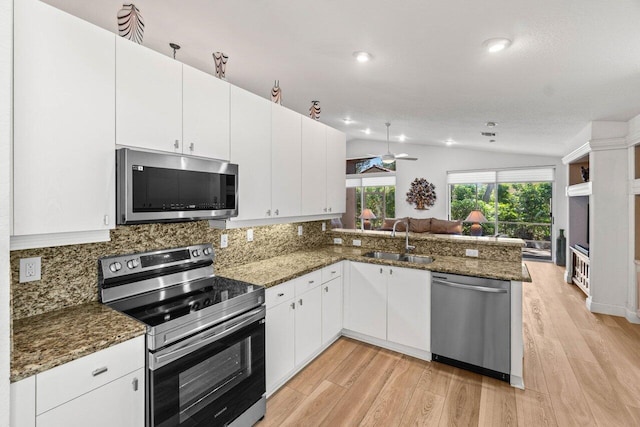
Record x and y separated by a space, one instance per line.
407 246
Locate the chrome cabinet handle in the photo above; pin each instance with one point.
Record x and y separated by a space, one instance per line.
381 271
333 272
191 146
326 289
269 212
390 271
99 371
325 209
293 305
176 144
300 302
134 383
329 209
277 212
281 294
311 282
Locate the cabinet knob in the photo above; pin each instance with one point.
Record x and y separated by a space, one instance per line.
176 144
300 302
192 146
134 383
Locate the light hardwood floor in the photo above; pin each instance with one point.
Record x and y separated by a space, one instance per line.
580 369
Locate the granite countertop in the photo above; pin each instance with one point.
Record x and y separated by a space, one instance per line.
273 271
51 339
455 238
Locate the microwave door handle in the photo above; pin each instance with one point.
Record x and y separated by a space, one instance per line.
157 361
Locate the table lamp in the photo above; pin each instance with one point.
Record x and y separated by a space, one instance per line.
365 216
476 218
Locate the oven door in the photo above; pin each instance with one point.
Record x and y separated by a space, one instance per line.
212 378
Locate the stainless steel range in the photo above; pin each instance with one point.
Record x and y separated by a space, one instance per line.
205 335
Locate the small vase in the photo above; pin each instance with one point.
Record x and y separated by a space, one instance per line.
220 61
130 23
561 249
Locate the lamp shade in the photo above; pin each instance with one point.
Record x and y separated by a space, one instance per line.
476 216
367 214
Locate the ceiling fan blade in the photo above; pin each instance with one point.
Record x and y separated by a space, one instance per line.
374 155
406 158
401 155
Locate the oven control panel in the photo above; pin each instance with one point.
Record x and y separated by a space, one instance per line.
123 265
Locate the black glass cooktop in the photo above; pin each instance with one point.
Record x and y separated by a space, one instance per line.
209 292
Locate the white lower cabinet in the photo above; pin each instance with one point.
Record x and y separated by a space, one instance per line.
390 304
303 315
106 388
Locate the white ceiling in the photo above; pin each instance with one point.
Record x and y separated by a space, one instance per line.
571 61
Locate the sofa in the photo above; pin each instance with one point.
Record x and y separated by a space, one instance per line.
423 225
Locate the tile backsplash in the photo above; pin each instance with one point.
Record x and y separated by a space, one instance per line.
70 273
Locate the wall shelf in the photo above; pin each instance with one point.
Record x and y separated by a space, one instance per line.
583 189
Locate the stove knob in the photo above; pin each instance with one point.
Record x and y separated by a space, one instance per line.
195 252
195 306
132 263
206 251
116 266
206 303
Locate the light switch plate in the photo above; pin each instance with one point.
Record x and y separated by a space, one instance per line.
357 242
30 269
250 235
299 230
324 226
471 252
224 241
337 241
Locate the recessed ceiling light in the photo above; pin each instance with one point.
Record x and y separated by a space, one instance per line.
449 142
492 140
402 138
488 133
362 56
491 124
367 131
347 121
497 44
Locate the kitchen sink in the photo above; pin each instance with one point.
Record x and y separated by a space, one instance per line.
415 259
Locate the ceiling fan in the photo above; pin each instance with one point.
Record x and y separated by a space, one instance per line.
389 157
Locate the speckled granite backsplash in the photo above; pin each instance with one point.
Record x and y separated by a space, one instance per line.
70 273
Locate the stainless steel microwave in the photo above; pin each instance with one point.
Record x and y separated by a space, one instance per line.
154 187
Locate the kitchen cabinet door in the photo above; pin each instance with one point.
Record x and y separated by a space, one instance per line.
336 171
286 169
314 167
251 150
409 307
308 324
280 348
331 309
22 409
64 123
367 308
148 98
205 114
119 403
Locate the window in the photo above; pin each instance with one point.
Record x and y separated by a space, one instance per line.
515 202
370 185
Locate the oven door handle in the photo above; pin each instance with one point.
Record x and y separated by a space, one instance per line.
212 335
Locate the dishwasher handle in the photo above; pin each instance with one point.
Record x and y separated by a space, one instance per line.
470 287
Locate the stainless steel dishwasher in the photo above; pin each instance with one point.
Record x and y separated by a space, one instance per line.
471 323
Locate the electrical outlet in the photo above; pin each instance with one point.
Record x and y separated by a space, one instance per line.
30 269
224 241
357 242
299 230
471 252
324 226
250 235
337 241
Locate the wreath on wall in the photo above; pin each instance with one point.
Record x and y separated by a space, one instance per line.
422 194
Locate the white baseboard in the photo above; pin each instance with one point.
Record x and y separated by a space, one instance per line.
613 310
410 351
516 382
567 276
632 316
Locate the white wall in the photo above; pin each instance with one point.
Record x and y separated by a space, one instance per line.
434 162
6 46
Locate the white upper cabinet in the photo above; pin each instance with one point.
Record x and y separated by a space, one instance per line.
205 114
314 167
148 98
285 161
63 159
251 150
336 171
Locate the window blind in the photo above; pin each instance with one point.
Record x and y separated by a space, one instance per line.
370 180
506 175
473 177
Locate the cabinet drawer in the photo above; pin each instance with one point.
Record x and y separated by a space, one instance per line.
330 272
279 293
68 381
308 282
